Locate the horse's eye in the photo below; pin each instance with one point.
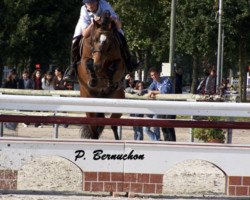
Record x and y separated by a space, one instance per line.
96 39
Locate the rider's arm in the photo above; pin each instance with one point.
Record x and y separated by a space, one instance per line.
86 31
86 21
114 16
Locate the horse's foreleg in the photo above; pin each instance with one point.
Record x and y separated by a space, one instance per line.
115 128
96 131
115 131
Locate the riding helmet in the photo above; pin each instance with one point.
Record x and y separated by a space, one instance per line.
89 1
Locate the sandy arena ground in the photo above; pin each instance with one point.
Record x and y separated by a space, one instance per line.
199 170
73 132
240 136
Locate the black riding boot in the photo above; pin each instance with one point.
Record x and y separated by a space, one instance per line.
75 58
131 66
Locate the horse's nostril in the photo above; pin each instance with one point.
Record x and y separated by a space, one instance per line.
90 62
93 82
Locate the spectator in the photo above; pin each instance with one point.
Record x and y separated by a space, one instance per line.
160 85
202 84
224 86
138 130
47 81
210 87
58 82
11 83
152 132
37 85
178 81
25 82
11 80
129 83
37 80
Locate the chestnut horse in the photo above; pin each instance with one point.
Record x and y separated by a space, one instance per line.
101 71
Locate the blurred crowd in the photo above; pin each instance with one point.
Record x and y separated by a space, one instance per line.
51 80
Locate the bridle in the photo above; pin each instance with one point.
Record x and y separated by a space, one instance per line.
99 50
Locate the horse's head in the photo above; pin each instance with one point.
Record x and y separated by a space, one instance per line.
104 46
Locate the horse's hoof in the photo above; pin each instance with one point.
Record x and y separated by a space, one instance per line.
92 83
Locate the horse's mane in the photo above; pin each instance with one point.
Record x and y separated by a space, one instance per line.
105 19
106 23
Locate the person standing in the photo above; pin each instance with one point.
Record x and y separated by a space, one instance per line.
210 87
11 83
25 82
161 85
140 91
47 81
37 80
37 85
11 80
58 82
202 84
152 132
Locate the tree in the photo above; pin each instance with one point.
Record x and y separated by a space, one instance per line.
238 28
195 32
39 32
2 39
145 29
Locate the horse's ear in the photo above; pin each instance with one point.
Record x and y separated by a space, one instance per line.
96 24
112 25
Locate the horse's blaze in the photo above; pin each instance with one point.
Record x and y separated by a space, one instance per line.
103 38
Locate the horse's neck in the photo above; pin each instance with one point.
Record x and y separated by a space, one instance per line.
86 47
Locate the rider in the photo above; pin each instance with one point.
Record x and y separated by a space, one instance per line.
92 10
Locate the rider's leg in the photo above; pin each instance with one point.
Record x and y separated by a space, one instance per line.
75 58
131 66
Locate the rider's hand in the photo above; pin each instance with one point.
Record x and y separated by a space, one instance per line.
151 95
97 19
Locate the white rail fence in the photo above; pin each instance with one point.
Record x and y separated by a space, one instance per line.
81 105
232 159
